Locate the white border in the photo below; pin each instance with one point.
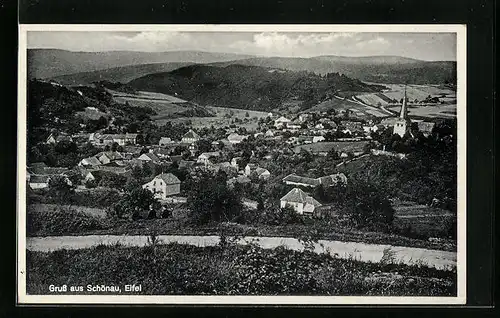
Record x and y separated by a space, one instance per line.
23 298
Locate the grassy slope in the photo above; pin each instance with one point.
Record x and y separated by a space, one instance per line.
230 270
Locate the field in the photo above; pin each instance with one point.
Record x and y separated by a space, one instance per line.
447 107
228 269
165 106
224 117
356 108
421 220
340 146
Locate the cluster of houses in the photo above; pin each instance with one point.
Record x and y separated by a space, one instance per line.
306 128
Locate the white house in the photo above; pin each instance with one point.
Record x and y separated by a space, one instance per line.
299 201
318 139
190 137
250 168
39 182
281 122
164 185
164 141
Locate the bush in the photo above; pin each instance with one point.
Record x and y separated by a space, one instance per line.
61 221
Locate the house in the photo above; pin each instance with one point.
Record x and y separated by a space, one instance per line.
108 139
190 137
327 181
114 167
250 168
269 133
281 122
295 125
235 162
238 180
162 153
426 127
318 139
165 141
333 179
39 182
89 162
109 156
262 174
57 138
352 126
305 139
96 175
205 157
149 156
164 185
293 179
186 164
305 117
236 138
300 202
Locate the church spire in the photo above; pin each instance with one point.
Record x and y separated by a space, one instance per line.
404 111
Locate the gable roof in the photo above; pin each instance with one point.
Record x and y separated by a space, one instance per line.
282 119
93 161
191 135
168 178
260 171
151 156
112 155
295 195
39 179
304 180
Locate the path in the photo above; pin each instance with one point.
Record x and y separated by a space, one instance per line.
347 250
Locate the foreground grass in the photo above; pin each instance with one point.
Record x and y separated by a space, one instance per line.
230 270
73 221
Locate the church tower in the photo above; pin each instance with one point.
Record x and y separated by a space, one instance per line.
402 125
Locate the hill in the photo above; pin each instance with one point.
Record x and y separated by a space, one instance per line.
48 63
378 69
121 74
248 87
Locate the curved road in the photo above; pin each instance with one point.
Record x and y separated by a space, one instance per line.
347 250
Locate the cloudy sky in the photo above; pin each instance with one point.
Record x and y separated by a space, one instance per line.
424 46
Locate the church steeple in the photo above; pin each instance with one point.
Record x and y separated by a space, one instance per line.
404 110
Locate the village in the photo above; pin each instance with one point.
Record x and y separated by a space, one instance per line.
245 158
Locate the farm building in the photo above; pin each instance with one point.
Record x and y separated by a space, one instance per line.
108 139
426 127
164 185
109 156
262 174
300 202
57 138
334 179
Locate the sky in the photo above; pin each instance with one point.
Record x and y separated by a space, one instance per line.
423 46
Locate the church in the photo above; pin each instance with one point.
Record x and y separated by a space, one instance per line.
403 123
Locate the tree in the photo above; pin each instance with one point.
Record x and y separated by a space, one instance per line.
211 200
134 203
60 190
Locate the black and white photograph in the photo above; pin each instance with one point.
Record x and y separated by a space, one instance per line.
242 164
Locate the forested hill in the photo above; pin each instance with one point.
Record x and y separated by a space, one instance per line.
249 87
377 69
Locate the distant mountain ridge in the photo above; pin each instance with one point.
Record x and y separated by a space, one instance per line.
48 63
